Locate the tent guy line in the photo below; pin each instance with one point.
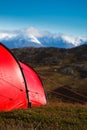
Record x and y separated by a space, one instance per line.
62 85
19 88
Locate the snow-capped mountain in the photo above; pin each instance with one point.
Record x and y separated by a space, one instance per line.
32 37
18 40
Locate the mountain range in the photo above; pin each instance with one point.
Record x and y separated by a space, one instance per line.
32 37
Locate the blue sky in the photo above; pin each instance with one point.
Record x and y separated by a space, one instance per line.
64 16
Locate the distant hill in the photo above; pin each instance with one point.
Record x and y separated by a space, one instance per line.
69 60
52 56
64 62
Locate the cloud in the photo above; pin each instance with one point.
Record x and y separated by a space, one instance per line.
68 39
35 32
5 35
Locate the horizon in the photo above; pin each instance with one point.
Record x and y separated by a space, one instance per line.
65 16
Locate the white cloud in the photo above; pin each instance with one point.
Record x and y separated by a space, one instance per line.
75 41
33 31
68 39
5 35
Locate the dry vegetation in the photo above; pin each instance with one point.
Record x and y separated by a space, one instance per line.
53 116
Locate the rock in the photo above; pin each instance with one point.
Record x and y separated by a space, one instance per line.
67 71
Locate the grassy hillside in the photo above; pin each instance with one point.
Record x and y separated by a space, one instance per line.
64 76
53 116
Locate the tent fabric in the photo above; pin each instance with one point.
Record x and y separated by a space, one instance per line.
36 91
14 83
12 86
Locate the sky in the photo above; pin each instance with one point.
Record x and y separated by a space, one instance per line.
58 16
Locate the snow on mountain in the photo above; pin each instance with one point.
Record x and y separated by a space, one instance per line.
33 37
75 41
19 39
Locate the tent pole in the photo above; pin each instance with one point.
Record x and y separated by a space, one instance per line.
27 91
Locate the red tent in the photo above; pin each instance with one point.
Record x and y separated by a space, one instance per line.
20 85
36 91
